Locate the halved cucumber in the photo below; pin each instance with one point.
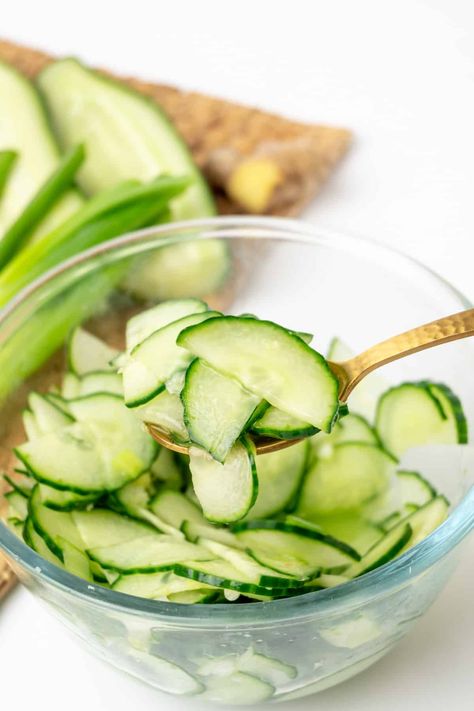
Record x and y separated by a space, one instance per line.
353 473
279 479
419 413
24 128
270 362
87 353
217 409
149 554
157 358
225 491
145 323
294 550
278 424
125 135
166 411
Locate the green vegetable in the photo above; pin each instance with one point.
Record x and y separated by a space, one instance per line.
7 161
40 204
121 209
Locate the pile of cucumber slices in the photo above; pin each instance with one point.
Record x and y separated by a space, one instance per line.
94 493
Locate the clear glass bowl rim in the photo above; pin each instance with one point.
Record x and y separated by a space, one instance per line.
379 582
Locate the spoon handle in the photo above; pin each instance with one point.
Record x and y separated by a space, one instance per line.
449 328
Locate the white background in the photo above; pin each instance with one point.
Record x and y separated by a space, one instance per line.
401 75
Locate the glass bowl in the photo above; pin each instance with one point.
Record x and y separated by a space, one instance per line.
308 279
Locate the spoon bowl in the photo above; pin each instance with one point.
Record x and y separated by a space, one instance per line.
349 373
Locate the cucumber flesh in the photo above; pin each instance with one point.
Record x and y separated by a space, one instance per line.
279 479
104 527
24 128
237 688
225 491
217 409
87 353
294 550
353 473
175 508
280 425
414 489
48 417
145 323
166 411
420 413
270 362
392 543
151 553
156 359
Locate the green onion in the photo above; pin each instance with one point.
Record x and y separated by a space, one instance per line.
121 209
7 161
40 204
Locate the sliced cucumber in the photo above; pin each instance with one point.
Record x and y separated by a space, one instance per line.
350 528
156 585
17 505
278 424
271 670
294 550
353 473
351 428
99 382
75 560
133 499
53 525
22 483
270 362
149 554
24 128
414 414
193 530
87 353
414 489
48 417
222 574
175 508
392 543
30 425
103 527
279 479
37 543
166 469
259 574
217 409
156 359
64 500
167 413
225 491
145 323
425 520
71 386
161 673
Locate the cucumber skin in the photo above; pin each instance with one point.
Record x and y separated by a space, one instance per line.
457 409
273 525
209 208
390 554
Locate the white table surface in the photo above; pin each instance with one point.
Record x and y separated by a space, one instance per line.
401 75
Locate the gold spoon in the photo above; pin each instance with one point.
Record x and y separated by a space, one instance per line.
350 372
